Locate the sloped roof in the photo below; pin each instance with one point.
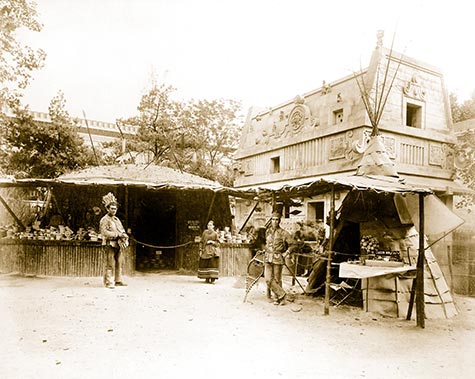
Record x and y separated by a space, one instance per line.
147 176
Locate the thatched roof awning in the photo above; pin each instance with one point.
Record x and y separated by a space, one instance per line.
151 177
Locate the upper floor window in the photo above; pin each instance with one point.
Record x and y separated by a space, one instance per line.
275 165
337 116
413 115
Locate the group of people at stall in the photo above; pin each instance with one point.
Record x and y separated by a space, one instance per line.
115 240
277 242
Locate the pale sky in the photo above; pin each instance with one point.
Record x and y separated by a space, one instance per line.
102 53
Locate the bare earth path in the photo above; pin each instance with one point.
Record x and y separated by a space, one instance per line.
176 326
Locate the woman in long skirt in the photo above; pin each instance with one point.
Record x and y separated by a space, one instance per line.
208 267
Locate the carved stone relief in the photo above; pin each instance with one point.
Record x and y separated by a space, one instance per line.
349 146
435 155
326 88
414 89
297 118
441 155
352 145
356 144
338 147
390 145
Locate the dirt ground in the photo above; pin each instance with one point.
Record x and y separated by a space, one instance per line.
176 326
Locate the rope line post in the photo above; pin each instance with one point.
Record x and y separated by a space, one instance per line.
326 309
420 313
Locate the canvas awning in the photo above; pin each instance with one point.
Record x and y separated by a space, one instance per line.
438 185
321 185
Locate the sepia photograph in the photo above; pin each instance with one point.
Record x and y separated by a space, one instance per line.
237 189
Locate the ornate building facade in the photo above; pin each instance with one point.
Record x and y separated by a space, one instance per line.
324 132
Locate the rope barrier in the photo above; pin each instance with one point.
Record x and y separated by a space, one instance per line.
163 247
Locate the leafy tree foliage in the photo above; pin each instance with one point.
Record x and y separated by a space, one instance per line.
463 111
465 148
17 60
43 149
198 136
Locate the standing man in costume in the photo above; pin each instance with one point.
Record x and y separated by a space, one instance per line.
114 240
277 240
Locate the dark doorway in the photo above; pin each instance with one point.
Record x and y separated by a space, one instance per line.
155 231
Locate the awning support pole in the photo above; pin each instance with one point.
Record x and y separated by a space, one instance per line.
210 209
329 252
126 206
420 268
249 216
17 220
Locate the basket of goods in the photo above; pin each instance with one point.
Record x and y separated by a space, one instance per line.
369 245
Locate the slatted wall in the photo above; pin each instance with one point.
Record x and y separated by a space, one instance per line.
58 258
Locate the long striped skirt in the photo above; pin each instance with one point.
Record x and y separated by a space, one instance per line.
208 268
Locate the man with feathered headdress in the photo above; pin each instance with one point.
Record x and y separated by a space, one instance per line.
115 239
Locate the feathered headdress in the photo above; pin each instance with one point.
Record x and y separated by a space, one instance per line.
109 199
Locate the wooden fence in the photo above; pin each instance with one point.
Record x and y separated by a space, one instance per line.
85 258
463 262
234 258
58 258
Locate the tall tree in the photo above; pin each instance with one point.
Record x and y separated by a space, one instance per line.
215 127
17 60
196 136
158 128
43 149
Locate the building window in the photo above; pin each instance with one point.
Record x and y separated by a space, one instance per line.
337 116
413 115
275 165
316 211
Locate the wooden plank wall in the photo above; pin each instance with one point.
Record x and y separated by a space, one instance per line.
233 261
58 258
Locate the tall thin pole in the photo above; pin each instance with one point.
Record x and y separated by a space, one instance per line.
249 216
126 206
329 252
90 138
420 267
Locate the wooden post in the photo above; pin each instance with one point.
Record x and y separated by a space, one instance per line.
17 220
449 257
411 299
249 216
208 217
330 250
126 206
420 267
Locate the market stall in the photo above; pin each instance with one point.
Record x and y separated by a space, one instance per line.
380 223
164 212
377 232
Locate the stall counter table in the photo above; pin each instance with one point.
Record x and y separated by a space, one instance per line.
385 290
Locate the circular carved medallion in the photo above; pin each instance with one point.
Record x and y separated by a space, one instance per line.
297 118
